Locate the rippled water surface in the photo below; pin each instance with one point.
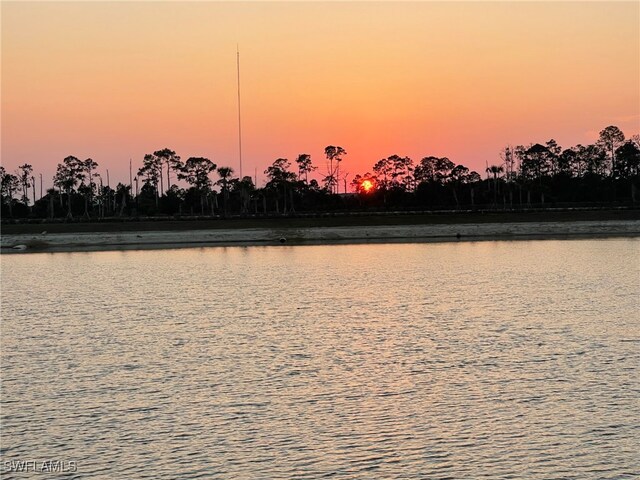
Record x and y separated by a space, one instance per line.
458 360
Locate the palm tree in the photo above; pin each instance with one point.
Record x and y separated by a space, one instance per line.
495 170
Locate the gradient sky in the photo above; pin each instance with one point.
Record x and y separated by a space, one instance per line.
115 80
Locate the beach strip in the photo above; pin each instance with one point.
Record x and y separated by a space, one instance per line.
131 240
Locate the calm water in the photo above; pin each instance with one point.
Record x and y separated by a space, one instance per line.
458 360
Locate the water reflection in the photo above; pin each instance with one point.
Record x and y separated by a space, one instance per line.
505 359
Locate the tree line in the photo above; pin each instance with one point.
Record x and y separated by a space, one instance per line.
533 175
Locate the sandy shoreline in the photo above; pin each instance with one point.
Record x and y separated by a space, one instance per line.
131 240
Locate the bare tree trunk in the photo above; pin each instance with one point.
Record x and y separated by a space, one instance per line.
331 174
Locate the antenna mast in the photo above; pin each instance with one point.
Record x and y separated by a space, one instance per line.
239 122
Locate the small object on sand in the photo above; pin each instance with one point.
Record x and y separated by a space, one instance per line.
283 240
20 247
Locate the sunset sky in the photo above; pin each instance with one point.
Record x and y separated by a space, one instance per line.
115 80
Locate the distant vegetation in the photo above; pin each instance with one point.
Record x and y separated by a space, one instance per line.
540 175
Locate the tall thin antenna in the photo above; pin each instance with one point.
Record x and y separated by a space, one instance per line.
239 122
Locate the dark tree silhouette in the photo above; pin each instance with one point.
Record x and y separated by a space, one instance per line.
9 183
151 171
225 175
123 192
628 158
394 172
196 173
86 182
495 170
68 174
610 139
604 172
24 174
304 166
171 160
425 171
280 178
334 154
460 176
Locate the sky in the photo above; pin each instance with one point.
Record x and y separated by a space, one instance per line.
115 80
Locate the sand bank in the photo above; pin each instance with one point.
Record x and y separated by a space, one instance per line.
92 241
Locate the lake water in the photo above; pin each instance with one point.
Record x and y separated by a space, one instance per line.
453 360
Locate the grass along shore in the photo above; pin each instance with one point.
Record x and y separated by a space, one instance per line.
297 221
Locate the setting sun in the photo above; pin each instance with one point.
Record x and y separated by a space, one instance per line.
367 186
